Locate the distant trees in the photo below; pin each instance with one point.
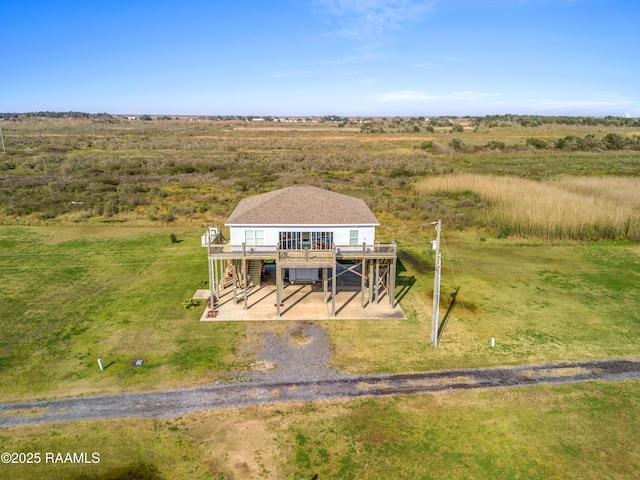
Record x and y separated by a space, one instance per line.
493 121
611 141
15 116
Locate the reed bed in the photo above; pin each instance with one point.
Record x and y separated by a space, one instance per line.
567 208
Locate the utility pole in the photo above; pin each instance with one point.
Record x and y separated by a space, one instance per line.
435 245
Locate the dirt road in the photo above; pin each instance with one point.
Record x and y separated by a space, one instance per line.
177 402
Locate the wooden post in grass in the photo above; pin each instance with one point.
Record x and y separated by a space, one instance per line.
436 287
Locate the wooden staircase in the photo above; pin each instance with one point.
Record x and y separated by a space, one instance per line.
255 272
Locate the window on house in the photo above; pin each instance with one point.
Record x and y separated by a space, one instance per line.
321 240
300 240
254 237
306 240
353 237
289 240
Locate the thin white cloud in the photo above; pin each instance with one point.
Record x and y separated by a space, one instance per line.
366 20
418 96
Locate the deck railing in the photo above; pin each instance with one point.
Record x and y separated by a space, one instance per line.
367 250
375 250
306 256
243 250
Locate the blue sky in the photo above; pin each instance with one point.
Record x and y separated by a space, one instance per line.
322 57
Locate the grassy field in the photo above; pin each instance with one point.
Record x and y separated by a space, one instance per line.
76 294
567 208
540 229
541 302
73 295
584 431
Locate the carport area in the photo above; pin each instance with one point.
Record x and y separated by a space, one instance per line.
300 301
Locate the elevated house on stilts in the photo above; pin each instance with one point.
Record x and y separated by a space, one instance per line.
312 235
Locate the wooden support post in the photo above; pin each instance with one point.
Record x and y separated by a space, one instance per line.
370 283
220 272
278 289
245 275
392 282
212 276
363 269
387 277
333 291
325 283
223 274
234 277
377 286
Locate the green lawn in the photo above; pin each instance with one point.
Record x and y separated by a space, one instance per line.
541 302
71 296
76 294
582 431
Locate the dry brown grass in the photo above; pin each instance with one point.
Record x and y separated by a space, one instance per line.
579 208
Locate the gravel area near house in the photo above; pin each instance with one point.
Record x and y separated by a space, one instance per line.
296 367
302 354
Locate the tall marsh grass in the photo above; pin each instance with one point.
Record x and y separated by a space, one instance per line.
577 208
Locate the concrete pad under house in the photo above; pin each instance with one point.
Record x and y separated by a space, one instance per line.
300 302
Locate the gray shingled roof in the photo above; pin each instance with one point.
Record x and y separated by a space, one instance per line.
302 205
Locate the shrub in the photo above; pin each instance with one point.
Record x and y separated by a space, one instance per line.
495 145
456 144
536 143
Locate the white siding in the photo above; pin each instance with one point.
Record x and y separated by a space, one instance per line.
341 233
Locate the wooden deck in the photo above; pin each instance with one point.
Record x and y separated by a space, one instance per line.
307 258
376 266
